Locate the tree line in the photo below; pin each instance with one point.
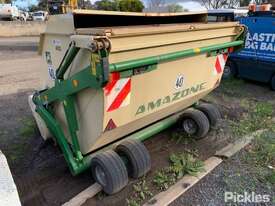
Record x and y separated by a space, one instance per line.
116 5
138 6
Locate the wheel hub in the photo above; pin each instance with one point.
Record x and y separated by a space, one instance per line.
190 126
100 176
226 70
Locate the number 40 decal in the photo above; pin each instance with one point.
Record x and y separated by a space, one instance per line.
179 81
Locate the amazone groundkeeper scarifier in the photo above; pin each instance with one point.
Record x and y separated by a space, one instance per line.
115 79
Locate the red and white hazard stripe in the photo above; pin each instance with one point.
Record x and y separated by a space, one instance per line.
117 92
220 63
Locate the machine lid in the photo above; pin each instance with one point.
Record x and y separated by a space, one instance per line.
96 18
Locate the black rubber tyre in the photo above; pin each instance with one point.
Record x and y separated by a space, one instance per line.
109 171
212 112
195 123
138 157
230 70
272 83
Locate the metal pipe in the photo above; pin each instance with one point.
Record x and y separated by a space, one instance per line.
121 66
149 131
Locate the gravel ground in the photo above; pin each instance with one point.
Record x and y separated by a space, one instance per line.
233 175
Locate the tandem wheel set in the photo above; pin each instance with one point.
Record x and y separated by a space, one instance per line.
130 158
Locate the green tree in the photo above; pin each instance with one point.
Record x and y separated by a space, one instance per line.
5 1
42 5
131 5
108 5
33 8
119 5
175 8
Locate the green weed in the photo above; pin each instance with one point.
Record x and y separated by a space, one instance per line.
231 87
270 178
263 149
259 117
180 165
263 110
180 137
132 202
232 83
185 163
163 179
28 127
261 156
142 190
245 103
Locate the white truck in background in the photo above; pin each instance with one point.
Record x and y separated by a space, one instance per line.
40 16
9 12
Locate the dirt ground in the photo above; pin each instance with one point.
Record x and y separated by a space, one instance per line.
38 167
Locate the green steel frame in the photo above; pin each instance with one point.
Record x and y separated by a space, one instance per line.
96 76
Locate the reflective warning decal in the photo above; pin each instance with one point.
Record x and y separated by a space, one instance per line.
117 92
220 63
111 125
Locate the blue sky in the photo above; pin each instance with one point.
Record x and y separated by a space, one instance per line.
24 3
188 4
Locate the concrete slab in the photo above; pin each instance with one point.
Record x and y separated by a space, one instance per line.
8 191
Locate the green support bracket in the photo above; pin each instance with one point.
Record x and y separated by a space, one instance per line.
69 108
73 85
103 67
56 130
95 76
